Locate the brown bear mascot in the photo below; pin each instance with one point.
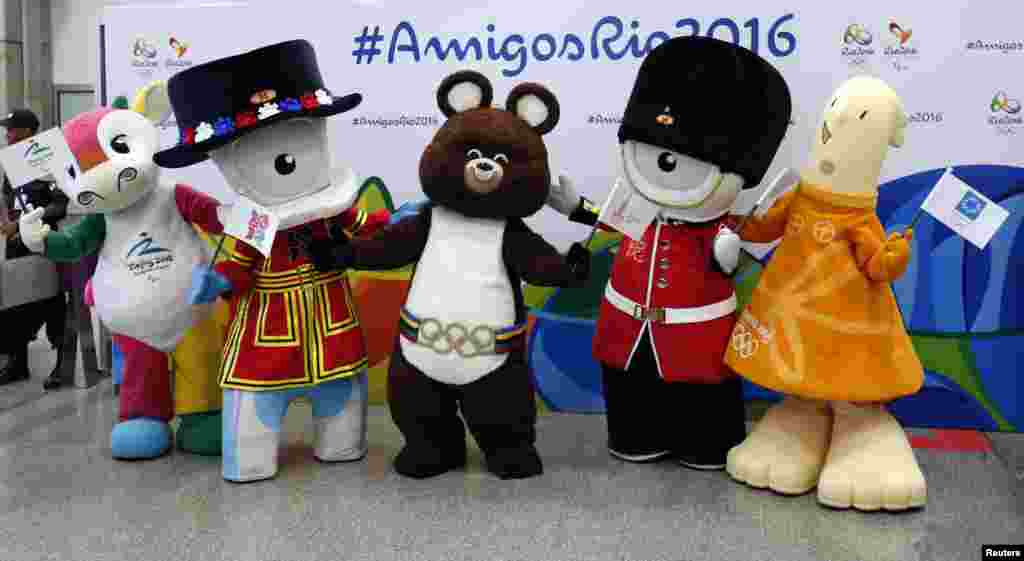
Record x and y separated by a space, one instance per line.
463 326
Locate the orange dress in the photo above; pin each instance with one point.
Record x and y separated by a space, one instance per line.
822 322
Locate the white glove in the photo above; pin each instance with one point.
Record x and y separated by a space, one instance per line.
563 197
33 231
727 250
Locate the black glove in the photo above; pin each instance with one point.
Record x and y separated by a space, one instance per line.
578 260
330 255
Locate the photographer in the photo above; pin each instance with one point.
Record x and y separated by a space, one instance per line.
22 323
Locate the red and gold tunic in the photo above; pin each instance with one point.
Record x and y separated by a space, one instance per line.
291 326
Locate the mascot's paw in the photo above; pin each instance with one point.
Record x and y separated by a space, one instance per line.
786 451
727 250
330 255
563 196
33 231
207 285
515 463
421 463
870 463
140 439
200 433
578 260
407 210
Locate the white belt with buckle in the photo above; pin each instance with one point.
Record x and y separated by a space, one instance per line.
669 315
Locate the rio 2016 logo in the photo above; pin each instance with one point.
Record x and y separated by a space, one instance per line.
180 48
1004 114
857 41
610 37
143 54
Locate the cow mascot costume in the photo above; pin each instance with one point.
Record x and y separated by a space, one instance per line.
669 306
262 118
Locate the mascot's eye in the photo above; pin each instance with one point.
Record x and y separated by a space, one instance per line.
501 159
474 154
120 145
285 164
667 162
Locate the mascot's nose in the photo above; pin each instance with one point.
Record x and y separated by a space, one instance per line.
485 166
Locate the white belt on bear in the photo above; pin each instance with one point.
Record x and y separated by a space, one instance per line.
669 315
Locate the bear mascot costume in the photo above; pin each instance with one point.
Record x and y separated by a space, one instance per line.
669 307
463 325
143 229
823 326
261 116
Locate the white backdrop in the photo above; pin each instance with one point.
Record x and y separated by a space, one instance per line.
953 64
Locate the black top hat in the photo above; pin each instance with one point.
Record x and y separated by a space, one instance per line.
710 100
217 102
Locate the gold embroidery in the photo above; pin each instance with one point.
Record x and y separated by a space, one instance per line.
330 326
291 336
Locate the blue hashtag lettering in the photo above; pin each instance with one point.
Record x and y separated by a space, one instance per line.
361 44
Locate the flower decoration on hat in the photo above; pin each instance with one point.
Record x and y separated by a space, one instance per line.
290 105
203 132
262 96
666 119
224 126
309 101
268 110
245 119
188 136
323 97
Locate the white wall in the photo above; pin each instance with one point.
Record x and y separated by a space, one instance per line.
75 39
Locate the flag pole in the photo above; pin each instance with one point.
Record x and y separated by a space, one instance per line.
917 217
216 253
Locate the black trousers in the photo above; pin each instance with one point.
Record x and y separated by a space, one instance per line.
697 423
499 408
21 324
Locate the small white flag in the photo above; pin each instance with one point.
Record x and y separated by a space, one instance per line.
44 155
628 211
252 225
966 211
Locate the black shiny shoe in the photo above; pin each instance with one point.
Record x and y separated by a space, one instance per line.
53 381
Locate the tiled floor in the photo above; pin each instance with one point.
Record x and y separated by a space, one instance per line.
62 497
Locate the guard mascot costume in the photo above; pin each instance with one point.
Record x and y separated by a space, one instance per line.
293 332
823 326
142 228
669 306
462 328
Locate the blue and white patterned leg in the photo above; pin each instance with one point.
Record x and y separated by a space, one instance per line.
252 433
339 416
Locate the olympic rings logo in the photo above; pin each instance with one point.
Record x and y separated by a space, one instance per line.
457 337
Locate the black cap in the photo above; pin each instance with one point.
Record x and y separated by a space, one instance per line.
711 100
20 119
217 102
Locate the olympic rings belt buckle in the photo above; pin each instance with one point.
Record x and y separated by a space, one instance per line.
656 315
466 341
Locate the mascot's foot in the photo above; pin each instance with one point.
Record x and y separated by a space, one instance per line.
421 463
870 464
786 450
140 439
515 463
200 433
